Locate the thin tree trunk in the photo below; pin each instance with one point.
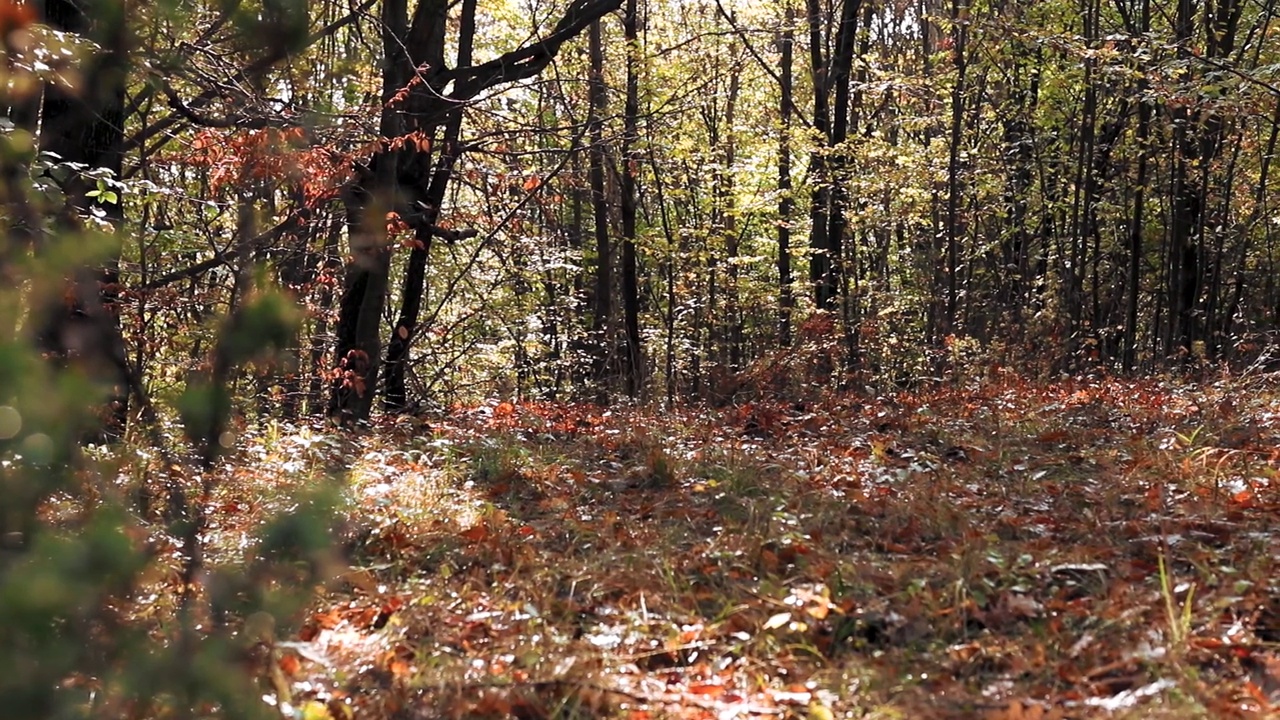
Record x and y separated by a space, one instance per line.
668 277
959 38
1136 222
729 219
602 318
845 111
1074 272
786 203
331 264
821 260
633 368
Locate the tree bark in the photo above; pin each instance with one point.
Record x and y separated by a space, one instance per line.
631 159
821 266
1136 222
786 203
602 318
364 292
432 15
391 182
959 39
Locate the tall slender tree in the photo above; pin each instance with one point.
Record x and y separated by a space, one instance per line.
631 163
786 201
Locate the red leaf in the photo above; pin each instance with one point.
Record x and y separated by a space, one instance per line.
475 533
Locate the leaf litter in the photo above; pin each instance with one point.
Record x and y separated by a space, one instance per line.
1083 548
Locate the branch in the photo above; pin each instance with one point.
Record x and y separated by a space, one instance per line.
1211 62
519 64
453 236
746 42
246 123
142 136
290 223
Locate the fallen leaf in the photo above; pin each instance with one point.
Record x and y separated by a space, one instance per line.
777 621
475 533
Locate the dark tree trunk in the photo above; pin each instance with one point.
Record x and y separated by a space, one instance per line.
1134 279
633 360
1019 148
392 180
82 327
786 203
668 279
331 265
959 38
1073 271
726 203
827 165
364 292
602 318
821 266
1197 143
433 15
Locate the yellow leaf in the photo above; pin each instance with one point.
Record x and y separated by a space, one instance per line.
314 710
818 711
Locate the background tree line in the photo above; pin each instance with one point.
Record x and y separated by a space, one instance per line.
665 200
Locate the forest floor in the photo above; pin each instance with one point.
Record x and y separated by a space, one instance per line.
1084 548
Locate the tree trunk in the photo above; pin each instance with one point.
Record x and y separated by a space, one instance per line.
391 183
82 327
364 292
602 318
786 203
1133 282
631 159
727 204
959 38
821 266
1197 143
435 16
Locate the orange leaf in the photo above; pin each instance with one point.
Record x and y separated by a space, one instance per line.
398 667
1252 690
328 620
475 533
290 665
16 15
